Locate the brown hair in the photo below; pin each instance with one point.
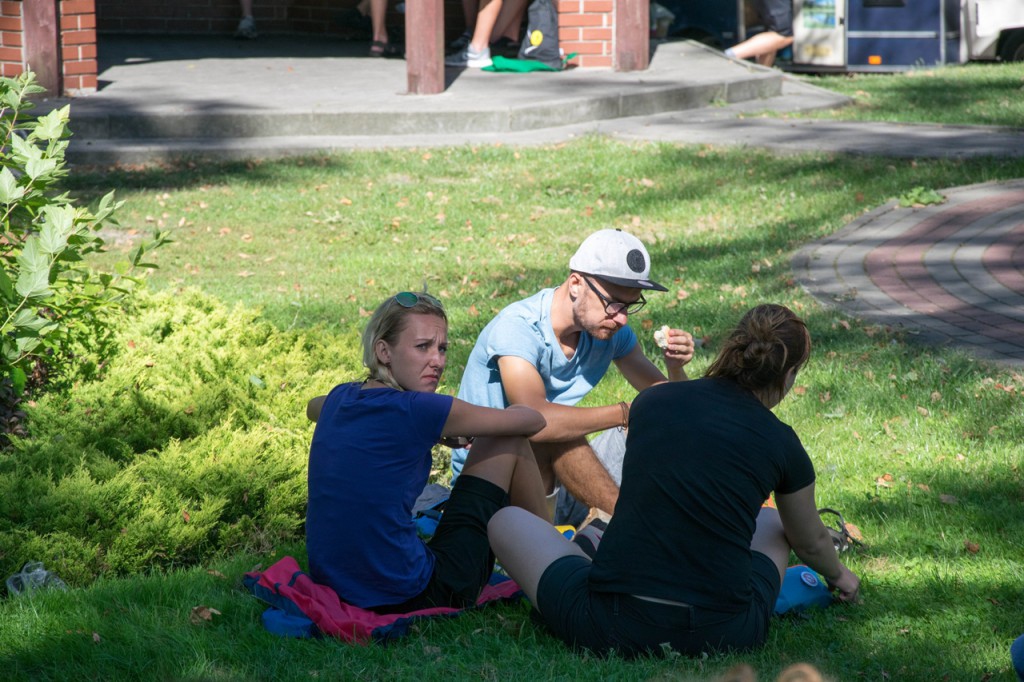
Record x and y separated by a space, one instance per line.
768 341
387 323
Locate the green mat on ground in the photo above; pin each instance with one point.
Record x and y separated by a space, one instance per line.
522 65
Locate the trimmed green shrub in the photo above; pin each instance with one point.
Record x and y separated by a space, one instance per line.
192 445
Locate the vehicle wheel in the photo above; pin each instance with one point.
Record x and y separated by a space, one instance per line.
1013 47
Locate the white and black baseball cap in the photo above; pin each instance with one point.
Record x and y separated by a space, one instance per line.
617 257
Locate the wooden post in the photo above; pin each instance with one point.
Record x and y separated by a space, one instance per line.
632 35
424 46
41 26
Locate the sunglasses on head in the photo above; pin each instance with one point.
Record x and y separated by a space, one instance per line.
408 299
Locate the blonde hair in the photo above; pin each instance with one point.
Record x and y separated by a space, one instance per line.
767 342
387 323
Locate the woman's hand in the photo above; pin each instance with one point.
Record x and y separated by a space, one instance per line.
456 442
846 586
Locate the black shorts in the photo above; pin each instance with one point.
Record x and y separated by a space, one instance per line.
777 15
602 622
463 558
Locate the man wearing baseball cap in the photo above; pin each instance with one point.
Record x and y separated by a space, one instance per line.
549 350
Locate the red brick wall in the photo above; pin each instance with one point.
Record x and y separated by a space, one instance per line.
587 27
10 39
78 46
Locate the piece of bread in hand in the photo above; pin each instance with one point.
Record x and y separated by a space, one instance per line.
661 337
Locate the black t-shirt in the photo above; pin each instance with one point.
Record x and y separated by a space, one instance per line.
701 458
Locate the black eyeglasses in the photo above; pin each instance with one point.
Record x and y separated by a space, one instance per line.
408 299
613 307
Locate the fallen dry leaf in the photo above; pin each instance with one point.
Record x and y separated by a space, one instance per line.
201 614
96 637
971 547
948 499
923 411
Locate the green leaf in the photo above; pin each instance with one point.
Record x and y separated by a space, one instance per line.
39 167
26 344
26 319
9 189
51 239
24 150
34 278
18 378
6 285
256 381
53 125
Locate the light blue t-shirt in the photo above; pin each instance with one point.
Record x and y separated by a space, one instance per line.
523 330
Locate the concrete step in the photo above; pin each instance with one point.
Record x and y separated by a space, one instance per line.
172 95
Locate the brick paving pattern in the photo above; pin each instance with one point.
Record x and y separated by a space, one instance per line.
953 272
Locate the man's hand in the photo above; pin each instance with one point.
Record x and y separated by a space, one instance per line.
678 350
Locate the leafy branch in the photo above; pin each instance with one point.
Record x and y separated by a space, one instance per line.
50 301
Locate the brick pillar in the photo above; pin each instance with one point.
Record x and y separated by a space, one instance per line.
78 46
632 35
606 33
587 27
11 38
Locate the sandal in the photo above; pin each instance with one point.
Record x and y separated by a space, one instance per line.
387 50
843 534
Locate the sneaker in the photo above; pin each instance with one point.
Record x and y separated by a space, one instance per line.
461 42
506 47
468 58
246 29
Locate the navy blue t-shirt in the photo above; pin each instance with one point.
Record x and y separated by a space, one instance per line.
369 460
701 458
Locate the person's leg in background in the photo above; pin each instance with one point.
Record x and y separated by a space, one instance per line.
507 33
380 44
247 24
477 53
777 16
469 10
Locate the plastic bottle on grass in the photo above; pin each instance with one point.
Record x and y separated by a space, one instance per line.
33 576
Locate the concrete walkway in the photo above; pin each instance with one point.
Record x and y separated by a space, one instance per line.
953 272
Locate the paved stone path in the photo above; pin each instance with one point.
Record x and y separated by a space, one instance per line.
952 271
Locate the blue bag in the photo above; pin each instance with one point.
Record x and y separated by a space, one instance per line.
802 588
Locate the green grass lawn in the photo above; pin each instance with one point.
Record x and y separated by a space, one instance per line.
966 94
919 447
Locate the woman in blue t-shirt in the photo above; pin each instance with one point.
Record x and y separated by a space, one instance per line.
371 457
691 561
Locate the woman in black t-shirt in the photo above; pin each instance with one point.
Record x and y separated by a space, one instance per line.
690 560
